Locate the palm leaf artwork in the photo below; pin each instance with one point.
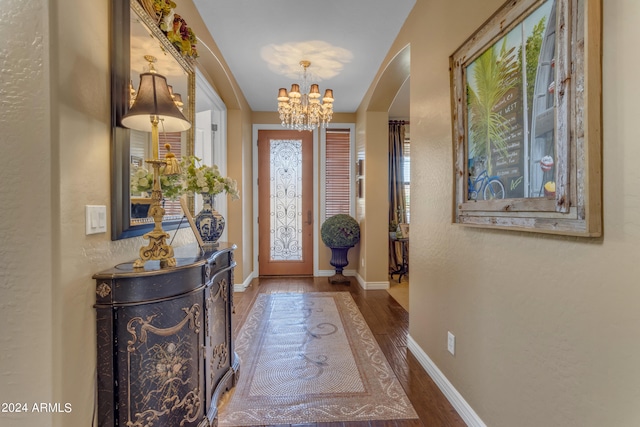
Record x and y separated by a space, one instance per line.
495 72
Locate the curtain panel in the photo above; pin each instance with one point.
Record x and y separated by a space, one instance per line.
397 209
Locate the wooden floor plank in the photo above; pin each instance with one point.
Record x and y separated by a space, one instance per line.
389 323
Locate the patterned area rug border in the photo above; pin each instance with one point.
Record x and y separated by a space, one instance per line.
311 357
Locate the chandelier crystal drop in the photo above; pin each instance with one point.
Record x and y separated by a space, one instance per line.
300 108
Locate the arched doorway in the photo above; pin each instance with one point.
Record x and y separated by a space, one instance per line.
372 210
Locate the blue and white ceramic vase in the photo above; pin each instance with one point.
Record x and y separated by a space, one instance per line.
209 222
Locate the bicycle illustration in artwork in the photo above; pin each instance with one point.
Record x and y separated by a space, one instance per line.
481 184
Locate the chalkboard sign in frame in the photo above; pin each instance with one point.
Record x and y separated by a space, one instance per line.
561 190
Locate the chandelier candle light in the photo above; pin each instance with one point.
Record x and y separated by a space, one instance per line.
301 109
153 105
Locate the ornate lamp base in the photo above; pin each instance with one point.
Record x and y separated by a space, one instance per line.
158 248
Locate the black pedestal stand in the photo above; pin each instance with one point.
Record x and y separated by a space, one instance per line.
339 261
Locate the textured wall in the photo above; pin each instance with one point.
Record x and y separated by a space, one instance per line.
55 139
80 112
545 326
375 222
25 211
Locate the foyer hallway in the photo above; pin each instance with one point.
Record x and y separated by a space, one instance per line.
389 323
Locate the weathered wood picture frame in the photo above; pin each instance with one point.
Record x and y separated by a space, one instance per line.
526 93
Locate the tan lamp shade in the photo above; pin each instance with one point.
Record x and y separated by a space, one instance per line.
328 95
283 95
314 92
154 99
295 91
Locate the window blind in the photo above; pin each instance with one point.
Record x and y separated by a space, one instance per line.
337 172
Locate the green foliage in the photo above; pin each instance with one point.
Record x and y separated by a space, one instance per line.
171 186
340 231
193 178
533 46
495 73
142 183
164 7
182 37
199 178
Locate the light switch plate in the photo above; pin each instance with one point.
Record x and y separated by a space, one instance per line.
96 219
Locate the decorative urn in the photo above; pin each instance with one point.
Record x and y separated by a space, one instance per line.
340 233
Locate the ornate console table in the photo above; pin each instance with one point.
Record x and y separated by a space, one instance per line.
165 348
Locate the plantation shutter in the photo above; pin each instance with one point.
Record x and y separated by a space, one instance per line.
337 172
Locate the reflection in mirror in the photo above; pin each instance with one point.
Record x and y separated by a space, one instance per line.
136 36
146 52
210 139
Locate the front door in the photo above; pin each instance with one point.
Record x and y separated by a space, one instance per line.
285 202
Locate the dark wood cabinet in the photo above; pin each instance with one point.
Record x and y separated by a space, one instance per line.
164 337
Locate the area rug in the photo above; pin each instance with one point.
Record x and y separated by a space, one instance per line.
310 357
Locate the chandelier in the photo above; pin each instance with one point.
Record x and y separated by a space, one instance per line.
301 109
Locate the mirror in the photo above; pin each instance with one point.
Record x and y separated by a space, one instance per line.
210 137
134 36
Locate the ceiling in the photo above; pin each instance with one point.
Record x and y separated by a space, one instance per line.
264 41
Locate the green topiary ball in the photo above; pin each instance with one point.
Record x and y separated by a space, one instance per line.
340 231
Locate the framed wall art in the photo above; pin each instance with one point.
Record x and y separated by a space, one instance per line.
526 93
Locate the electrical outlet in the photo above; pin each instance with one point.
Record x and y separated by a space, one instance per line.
451 343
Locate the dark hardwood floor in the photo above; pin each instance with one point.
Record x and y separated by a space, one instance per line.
389 323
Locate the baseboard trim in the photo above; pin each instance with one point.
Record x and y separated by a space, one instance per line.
457 401
371 286
241 287
328 273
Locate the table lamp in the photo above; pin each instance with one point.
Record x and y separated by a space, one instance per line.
153 105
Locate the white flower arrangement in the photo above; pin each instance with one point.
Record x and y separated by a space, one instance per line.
141 180
193 179
141 183
206 179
